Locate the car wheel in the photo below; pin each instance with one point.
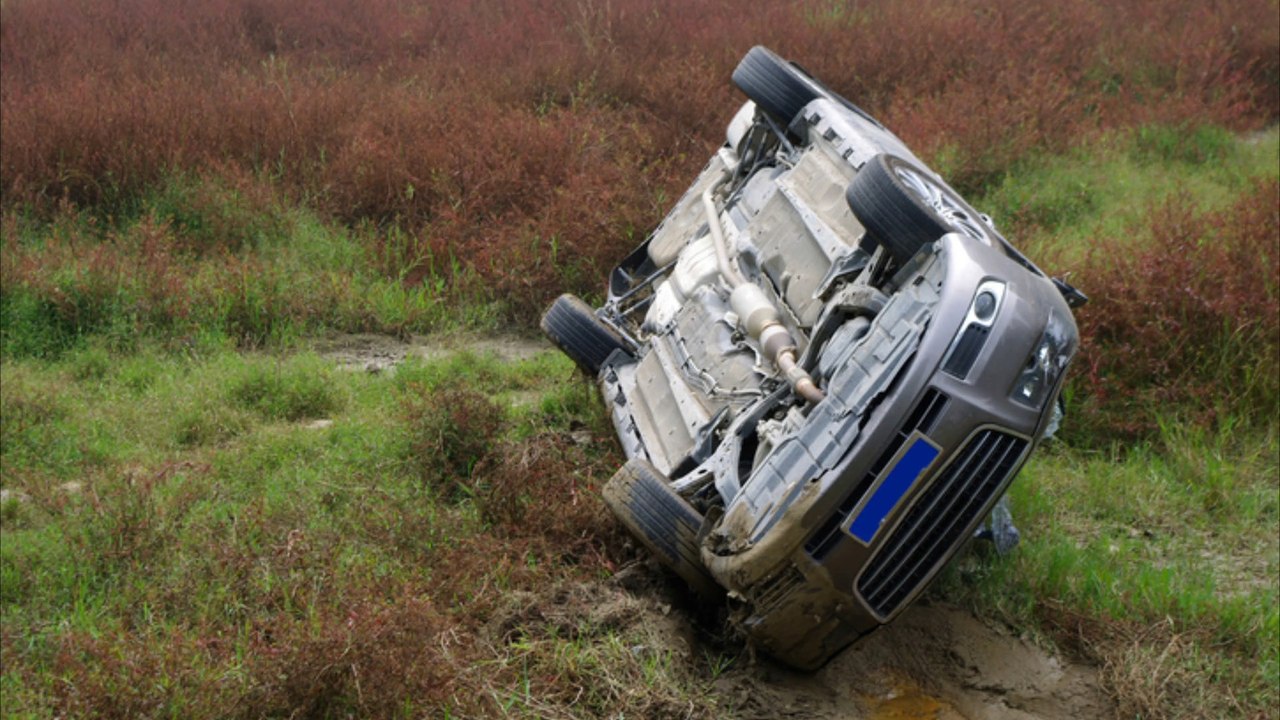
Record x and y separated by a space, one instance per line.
903 206
573 327
775 85
639 495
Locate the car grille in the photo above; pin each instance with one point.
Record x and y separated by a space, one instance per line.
922 418
938 520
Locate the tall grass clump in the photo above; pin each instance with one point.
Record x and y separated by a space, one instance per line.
222 210
451 429
301 389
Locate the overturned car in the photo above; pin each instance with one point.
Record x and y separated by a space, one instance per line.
824 366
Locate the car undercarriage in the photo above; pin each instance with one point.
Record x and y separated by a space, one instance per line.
824 368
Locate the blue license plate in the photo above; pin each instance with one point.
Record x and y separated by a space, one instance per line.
911 466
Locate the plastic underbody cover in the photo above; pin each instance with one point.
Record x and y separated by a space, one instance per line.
864 368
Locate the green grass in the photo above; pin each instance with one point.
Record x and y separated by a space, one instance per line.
209 504
1054 206
165 510
160 274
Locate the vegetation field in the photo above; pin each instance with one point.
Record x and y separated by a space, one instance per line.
206 512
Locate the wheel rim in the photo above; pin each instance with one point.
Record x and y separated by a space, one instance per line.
943 203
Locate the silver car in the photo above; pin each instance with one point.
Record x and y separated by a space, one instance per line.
824 368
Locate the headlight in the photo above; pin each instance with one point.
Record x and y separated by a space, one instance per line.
1046 363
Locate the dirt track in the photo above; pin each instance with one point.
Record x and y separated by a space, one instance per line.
375 353
935 662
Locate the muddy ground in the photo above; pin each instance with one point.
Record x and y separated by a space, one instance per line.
935 662
376 353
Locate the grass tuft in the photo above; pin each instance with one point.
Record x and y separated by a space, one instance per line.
299 390
1188 319
451 429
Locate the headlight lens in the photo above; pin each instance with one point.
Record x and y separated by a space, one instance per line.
1045 365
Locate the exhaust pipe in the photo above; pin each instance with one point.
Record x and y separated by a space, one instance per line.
755 312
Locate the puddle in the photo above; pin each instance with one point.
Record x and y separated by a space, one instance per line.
905 700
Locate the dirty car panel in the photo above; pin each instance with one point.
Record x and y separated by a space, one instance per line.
824 367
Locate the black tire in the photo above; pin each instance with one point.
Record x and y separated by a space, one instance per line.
775 85
640 497
573 327
895 214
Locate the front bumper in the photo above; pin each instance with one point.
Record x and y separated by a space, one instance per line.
811 584
804 581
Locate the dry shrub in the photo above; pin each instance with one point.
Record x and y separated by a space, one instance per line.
450 431
122 674
374 658
568 637
1160 670
1187 319
427 645
134 515
546 487
532 142
315 641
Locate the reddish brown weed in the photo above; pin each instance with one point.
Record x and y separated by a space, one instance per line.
1188 320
